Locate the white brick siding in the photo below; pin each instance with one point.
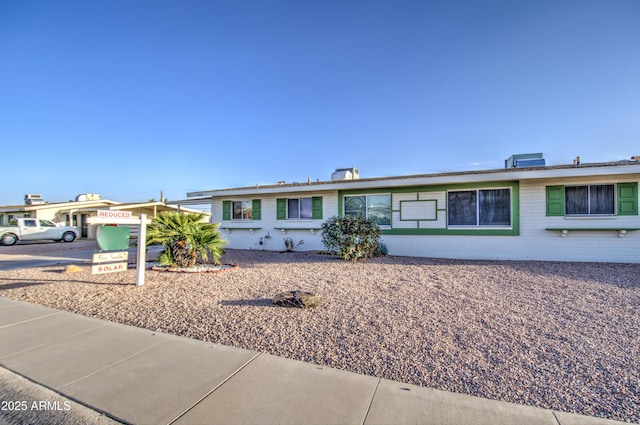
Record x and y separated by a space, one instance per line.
247 234
533 243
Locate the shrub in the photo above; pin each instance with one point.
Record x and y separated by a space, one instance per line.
381 250
185 237
351 237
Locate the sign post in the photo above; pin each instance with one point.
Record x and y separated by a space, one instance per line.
142 250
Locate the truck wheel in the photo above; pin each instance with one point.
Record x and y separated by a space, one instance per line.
68 237
8 239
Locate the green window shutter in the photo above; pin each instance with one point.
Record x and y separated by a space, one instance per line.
555 201
316 208
281 209
226 210
628 198
256 206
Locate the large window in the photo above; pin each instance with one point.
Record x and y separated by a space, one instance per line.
482 207
597 199
376 208
299 208
242 210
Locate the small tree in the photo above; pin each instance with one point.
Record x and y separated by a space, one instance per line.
351 237
185 237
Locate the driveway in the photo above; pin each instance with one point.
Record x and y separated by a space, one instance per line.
46 253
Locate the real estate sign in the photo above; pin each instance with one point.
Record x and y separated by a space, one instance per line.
113 238
114 214
120 217
108 268
106 257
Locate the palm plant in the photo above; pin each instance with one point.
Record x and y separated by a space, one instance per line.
185 237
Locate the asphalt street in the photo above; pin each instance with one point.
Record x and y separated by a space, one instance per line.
27 261
49 253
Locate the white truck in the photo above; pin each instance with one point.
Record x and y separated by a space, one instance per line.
32 229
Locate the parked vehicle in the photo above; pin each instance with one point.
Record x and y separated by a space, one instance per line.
32 229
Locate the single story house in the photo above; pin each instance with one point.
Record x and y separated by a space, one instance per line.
76 213
578 212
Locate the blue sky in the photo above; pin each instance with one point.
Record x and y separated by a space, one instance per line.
128 98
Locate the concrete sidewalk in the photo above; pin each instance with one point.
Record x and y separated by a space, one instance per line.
142 377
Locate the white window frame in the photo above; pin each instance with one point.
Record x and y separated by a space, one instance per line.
478 225
366 196
300 209
589 213
242 210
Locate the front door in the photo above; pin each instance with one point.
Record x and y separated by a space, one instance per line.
84 226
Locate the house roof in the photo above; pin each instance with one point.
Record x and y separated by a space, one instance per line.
87 206
58 205
160 206
501 174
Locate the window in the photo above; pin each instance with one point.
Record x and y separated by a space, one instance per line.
593 200
376 208
299 208
482 207
29 223
75 219
46 223
242 210
597 199
355 205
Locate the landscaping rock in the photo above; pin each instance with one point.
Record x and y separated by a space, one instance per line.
298 299
72 268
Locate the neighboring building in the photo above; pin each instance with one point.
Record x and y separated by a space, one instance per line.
75 213
585 212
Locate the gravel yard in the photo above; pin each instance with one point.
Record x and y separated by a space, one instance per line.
564 336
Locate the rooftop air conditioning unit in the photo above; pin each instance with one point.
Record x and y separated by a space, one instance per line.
525 160
33 199
88 197
345 174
